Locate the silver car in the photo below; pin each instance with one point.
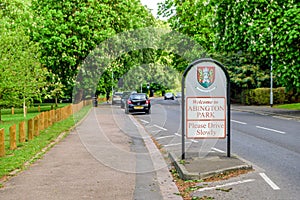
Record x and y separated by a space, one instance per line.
116 99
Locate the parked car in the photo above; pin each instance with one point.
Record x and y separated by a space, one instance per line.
116 99
138 102
178 95
169 95
125 96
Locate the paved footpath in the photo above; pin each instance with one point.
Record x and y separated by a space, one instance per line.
72 169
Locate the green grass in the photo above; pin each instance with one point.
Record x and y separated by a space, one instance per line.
292 106
34 109
15 159
7 119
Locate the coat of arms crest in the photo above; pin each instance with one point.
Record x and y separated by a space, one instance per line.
206 76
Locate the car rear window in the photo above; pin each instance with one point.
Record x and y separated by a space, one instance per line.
117 95
138 96
126 94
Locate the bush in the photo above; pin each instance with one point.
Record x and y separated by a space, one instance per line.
261 96
279 95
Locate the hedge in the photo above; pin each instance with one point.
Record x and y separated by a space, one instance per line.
261 96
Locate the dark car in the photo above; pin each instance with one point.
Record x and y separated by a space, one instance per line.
125 96
116 99
169 95
138 102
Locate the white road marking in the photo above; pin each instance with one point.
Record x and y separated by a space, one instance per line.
225 185
164 137
238 122
218 150
269 129
169 145
134 121
269 181
144 121
155 131
177 134
160 127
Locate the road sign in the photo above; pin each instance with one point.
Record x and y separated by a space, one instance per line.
205 117
205 102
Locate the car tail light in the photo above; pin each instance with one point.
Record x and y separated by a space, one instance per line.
148 101
129 102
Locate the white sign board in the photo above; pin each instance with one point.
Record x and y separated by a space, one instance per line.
205 101
205 117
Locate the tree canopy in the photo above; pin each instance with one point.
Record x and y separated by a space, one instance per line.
257 33
22 78
45 43
69 30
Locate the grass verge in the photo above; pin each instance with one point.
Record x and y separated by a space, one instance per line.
8 119
34 109
292 106
26 152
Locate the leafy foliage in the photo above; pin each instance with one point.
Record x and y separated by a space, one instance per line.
69 30
192 18
259 29
259 33
22 79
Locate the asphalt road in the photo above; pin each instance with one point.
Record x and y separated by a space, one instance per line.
271 144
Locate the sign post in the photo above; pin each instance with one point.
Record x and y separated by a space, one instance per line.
205 102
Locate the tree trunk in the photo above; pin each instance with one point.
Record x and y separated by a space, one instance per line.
78 96
56 105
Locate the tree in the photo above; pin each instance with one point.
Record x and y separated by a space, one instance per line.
155 74
261 29
286 45
21 75
254 31
69 30
194 18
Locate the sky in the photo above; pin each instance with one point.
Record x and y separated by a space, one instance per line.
152 4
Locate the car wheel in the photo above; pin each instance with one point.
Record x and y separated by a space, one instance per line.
148 112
